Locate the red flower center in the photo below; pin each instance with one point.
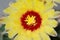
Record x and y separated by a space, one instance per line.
31 20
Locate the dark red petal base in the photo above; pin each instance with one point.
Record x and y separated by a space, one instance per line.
31 27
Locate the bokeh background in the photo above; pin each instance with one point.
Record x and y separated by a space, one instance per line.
5 3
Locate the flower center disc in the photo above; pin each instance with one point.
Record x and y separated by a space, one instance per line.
31 20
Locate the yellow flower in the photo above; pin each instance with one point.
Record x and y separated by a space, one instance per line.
30 20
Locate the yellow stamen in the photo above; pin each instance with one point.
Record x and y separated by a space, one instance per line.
30 20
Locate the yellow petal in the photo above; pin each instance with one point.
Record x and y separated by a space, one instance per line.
49 14
44 36
22 37
51 23
38 7
17 37
11 33
35 36
49 30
